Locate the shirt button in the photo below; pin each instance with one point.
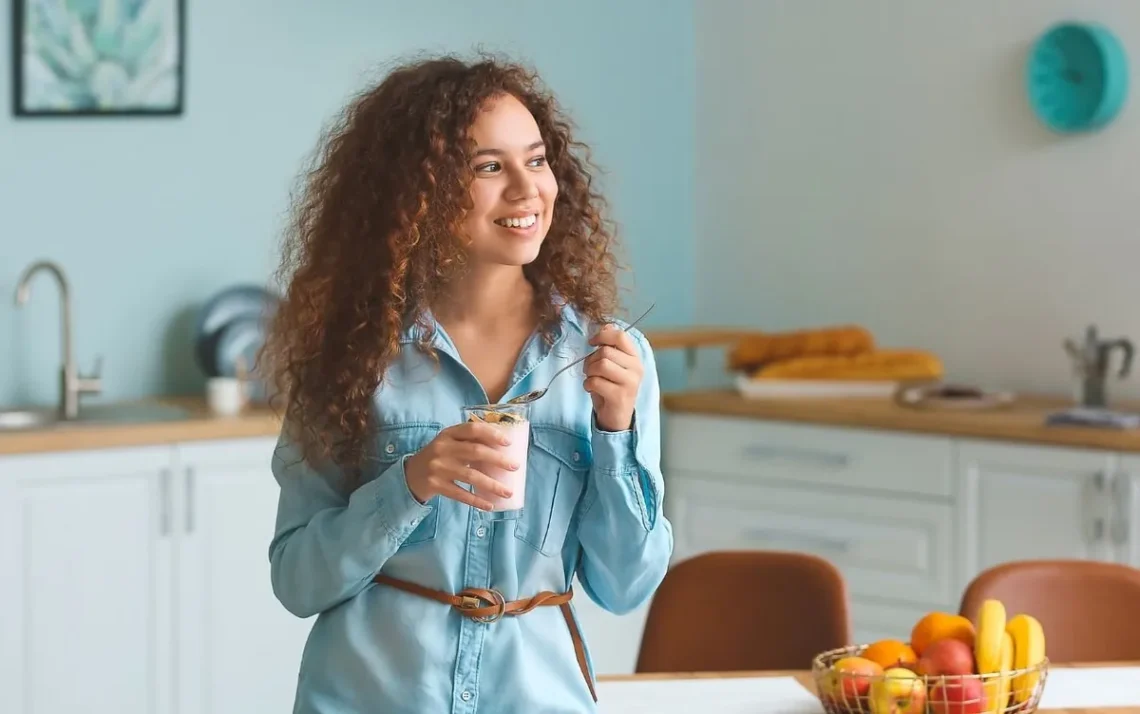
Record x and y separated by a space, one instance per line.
390 448
466 696
576 456
481 531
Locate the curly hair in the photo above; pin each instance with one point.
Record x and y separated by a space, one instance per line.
373 240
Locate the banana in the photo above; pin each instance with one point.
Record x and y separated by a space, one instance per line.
990 628
997 689
1028 651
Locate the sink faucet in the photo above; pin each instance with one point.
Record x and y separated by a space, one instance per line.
72 384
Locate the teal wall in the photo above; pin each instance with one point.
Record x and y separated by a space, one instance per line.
152 216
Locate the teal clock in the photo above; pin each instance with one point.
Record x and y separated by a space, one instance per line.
1077 77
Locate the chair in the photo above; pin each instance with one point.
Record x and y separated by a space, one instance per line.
1088 609
745 610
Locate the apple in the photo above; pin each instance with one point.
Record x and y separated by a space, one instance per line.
946 657
958 696
900 691
850 678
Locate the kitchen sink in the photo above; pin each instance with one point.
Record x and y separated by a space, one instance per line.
89 415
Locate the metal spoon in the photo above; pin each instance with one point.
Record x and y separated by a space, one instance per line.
539 393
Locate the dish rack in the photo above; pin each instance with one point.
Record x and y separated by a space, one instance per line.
843 692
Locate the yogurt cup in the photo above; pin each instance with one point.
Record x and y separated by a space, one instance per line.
514 420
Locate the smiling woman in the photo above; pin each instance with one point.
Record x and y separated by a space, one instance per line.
514 189
449 252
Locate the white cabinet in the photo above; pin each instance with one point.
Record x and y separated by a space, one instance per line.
239 648
137 582
886 547
86 606
908 519
1020 502
878 505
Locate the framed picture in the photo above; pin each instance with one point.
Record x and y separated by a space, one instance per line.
98 57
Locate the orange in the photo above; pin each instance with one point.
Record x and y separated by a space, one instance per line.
936 626
890 653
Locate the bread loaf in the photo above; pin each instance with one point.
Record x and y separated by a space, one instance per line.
889 365
754 351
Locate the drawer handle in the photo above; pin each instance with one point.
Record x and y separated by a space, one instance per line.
803 539
758 451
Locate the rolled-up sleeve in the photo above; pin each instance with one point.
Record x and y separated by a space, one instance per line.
329 542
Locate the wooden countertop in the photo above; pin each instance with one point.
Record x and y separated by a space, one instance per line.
1023 421
198 425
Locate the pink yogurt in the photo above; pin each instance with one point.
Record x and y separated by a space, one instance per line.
519 434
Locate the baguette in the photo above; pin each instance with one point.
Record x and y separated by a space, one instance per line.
888 365
754 351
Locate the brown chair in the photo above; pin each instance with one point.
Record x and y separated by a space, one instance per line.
745 610
1089 610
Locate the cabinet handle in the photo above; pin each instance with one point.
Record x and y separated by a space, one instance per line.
1094 518
164 498
807 539
759 451
1122 506
190 500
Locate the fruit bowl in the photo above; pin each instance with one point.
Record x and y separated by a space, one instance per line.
851 689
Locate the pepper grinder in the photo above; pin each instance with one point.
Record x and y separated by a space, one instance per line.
1090 362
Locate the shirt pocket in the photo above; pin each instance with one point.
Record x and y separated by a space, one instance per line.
556 476
396 441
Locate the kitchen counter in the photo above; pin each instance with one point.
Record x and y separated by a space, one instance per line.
198 424
1023 421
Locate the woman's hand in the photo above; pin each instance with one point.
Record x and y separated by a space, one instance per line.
613 376
436 468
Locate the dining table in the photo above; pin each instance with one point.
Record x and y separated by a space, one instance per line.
805 679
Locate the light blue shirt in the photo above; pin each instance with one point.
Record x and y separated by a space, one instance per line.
593 508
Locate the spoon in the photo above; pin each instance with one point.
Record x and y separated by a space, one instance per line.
539 393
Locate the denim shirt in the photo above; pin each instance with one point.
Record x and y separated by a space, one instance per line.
593 509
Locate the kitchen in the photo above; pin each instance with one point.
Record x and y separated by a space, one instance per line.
911 190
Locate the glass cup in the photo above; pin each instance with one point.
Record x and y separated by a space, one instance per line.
514 419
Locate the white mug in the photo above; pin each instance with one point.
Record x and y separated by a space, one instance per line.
225 395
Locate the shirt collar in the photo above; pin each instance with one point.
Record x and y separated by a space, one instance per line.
569 317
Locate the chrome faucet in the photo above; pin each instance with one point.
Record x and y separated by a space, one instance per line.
72 384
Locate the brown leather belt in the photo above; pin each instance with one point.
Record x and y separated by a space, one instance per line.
489 605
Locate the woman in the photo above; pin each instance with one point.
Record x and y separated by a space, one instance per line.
449 251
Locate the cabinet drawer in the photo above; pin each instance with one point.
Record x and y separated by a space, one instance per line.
886 547
828 456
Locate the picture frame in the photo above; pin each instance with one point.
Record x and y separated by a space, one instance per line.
98 58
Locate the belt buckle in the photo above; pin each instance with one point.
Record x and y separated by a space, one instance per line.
471 602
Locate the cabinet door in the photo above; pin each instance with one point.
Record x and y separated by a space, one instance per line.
1022 502
85 622
239 649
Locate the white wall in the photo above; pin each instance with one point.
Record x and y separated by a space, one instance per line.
876 162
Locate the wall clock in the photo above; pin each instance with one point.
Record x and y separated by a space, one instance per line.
1077 77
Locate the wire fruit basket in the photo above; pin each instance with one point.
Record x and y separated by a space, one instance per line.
901 691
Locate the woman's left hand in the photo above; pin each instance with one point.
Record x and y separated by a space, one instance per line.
613 376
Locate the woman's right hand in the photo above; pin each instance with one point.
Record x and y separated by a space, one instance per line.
448 458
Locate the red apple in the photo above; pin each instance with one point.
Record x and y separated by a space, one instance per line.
957 696
946 657
850 679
